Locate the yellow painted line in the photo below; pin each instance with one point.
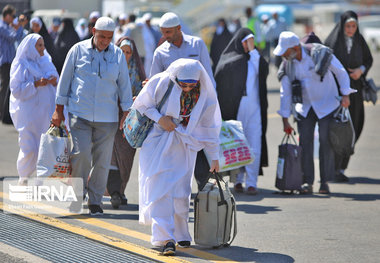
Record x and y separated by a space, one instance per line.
273 115
116 242
131 233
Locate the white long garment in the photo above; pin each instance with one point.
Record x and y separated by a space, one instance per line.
150 46
321 95
167 159
249 114
30 108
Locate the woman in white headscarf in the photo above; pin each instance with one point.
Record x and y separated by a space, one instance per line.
33 81
189 121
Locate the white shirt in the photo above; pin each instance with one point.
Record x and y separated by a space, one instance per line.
321 95
191 47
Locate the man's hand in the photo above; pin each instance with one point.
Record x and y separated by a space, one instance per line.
121 125
355 73
214 166
58 116
41 82
345 102
167 123
287 127
144 82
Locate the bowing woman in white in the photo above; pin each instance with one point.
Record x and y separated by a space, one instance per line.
167 156
33 81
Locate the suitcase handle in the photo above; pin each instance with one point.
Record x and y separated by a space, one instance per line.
219 178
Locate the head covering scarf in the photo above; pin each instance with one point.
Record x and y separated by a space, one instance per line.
28 59
35 20
135 66
49 44
232 62
359 53
82 32
66 38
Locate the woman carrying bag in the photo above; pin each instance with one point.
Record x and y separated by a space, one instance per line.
353 52
33 81
123 154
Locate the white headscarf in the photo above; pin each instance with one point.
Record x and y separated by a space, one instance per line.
28 58
208 93
82 32
36 20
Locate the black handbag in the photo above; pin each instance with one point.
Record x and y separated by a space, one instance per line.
289 175
342 132
369 90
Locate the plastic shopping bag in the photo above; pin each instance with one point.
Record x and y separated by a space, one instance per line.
234 151
54 153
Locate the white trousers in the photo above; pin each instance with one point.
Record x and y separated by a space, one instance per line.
170 216
250 115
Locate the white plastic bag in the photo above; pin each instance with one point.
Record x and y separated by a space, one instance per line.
54 154
234 150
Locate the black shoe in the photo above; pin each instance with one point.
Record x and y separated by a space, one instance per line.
169 249
115 200
124 200
95 210
341 178
184 244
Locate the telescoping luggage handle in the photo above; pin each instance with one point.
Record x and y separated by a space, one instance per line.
219 178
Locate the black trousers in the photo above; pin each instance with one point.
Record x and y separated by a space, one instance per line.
4 86
306 128
201 172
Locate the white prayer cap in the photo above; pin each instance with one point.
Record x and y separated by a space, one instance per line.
247 37
287 40
147 16
189 71
94 14
264 17
169 20
105 23
123 17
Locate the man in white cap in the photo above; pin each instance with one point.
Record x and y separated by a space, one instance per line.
94 77
120 29
178 45
311 96
167 157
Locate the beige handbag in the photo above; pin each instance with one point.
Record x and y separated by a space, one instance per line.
214 214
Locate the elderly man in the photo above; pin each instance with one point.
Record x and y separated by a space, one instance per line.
179 45
95 75
316 103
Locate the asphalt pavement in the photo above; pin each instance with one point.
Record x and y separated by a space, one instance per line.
341 227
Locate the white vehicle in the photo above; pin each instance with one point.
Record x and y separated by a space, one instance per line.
370 29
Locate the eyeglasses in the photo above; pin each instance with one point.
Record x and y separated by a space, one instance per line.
188 85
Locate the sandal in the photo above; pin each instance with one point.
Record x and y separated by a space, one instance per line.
324 189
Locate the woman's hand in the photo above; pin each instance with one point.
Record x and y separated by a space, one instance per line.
121 125
41 82
355 73
167 123
214 166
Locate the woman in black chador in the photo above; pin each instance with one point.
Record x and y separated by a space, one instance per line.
352 51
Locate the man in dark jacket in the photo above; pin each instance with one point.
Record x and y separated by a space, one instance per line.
240 78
